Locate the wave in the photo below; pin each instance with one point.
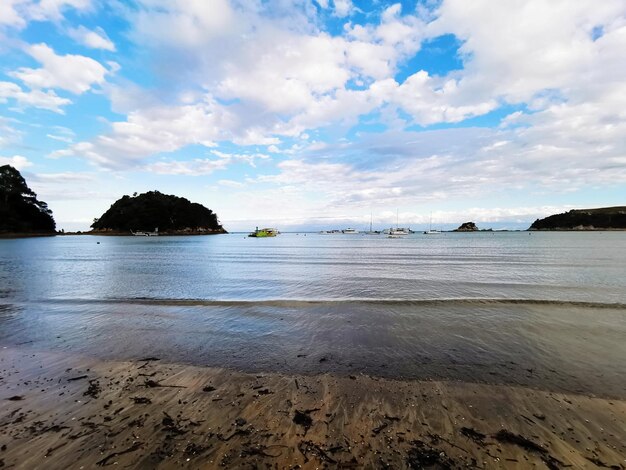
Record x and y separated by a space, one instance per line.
301 303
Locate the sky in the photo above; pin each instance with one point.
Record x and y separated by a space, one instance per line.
318 114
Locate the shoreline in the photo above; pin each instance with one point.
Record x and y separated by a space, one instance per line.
10 235
13 235
60 407
127 234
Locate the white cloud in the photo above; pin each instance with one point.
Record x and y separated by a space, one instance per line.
74 73
254 56
204 166
16 161
8 134
17 13
575 144
65 177
189 23
194 167
156 129
53 9
60 189
343 8
516 49
431 100
35 98
62 134
150 131
231 183
10 14
249 158
97 39
302 74
284 73
560 150
284 78
248 76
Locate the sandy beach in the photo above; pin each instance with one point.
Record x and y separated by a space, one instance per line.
67 411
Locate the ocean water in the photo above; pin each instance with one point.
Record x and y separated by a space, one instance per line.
545 310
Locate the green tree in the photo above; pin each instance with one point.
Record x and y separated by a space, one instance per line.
20 210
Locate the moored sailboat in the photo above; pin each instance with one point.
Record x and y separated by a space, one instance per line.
398 231
430 230
371 231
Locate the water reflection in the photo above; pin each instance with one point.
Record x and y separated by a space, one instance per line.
216 301
556 347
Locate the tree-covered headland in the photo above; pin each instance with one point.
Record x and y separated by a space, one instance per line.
20 210
168 213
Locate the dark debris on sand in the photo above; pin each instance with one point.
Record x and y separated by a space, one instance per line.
263 423
423 456
509 437
94 389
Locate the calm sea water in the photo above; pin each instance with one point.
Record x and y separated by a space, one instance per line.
545 310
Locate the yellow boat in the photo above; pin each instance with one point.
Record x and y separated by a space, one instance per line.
264 232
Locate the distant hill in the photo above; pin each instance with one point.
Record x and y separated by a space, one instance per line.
605 218
147 211
21 213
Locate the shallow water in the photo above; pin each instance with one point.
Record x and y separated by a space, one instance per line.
546 310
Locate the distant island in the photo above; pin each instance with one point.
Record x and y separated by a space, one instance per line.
21 213
605 218
467 227
170 215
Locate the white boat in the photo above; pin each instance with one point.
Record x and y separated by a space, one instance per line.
397 231
349 231
372 232
430 230
146 234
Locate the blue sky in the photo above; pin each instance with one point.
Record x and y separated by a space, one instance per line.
318 114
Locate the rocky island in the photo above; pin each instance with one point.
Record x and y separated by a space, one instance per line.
467 227
165 214
605 218
21 213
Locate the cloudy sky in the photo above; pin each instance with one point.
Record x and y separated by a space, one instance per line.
318 113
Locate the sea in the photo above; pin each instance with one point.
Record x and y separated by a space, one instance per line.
535 309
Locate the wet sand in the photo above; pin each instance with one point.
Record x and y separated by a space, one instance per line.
67 411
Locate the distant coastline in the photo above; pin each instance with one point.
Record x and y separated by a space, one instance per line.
168 233
8 235
577 229
584 220
105 233
16 235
